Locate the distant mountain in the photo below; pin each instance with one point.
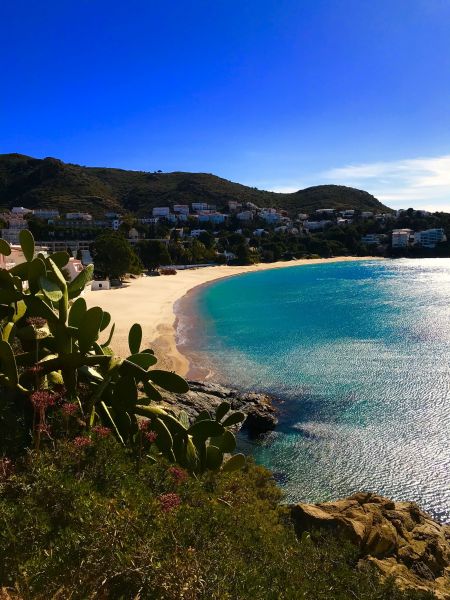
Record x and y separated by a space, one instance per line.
49 182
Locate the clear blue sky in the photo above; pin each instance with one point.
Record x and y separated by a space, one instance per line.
280 94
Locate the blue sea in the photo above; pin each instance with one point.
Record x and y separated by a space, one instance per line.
359 352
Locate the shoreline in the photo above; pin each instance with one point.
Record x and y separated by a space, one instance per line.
153 301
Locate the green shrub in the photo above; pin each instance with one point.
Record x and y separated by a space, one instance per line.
80 522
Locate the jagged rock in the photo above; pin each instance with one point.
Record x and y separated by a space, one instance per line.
261 413
397 538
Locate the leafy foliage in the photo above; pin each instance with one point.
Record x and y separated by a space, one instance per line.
114 255
153 254
80 522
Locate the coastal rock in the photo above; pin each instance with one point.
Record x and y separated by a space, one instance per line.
259 408
397 538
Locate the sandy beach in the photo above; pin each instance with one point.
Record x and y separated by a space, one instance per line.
150 301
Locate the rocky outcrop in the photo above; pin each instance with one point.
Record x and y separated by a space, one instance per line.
399 539
259 408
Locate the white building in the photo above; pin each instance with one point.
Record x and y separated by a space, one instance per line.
366 214
20 210
227 255
303 217
78 216
316 225
372 239
182 209
17 256
74 267
195 233
269 216
348 214
234 205
16 223
11 235
102 284
325 211
245 215
385 216
161 211
46 213
197 206
149 221
213 217
429 238
401 238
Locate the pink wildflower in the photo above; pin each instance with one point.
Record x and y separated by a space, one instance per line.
82 442
101 431
143 424
44 428
179 475
35 369
69 408
42 399
151 436
169 501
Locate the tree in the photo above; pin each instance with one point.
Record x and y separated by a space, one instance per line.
113 255
153 254
200 253
179 254
207 239
243 255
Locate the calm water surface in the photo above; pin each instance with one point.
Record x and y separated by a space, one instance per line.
360 353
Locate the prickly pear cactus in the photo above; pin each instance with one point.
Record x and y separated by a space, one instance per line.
53 346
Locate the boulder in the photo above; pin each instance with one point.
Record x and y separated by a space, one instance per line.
259 408
397 538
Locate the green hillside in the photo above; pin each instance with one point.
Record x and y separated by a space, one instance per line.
48 182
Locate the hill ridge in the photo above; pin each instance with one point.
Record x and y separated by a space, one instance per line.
35 182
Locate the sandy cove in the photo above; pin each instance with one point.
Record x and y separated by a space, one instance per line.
150 301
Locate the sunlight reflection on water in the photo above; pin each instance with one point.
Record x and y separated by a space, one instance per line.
361 354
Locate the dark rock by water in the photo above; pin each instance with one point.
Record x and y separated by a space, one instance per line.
259 408
398 538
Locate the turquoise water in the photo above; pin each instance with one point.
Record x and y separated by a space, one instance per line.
360 354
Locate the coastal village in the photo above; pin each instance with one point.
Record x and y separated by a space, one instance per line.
261 234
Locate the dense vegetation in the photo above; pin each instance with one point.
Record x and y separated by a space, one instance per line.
81 523
33 183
